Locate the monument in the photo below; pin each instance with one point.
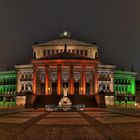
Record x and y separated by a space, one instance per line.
65 102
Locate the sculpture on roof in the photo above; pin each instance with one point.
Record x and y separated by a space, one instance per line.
65 34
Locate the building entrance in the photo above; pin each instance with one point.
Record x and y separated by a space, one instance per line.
54 88
65 84
87 88
42 88
76 88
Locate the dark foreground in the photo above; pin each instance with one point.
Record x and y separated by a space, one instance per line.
92 124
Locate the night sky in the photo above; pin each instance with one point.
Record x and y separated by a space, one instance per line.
113 24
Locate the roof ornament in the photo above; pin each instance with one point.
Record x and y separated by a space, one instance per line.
65 34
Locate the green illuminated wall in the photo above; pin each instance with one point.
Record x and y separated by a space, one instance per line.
7 83
124 82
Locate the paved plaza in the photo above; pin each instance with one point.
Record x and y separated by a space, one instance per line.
92 124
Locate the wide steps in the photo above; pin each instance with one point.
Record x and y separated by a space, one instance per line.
42 100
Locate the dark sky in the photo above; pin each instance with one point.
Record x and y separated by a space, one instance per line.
113 24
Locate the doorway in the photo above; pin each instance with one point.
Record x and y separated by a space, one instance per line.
76 88
42 88
87 88
54 88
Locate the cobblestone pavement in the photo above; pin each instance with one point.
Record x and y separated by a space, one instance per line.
92 124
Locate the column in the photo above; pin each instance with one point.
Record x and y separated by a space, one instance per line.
95 79
59 80
112 83
71 81
34 80
47 81
84 80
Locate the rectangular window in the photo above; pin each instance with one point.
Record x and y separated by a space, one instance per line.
85 52
77 51
81 52
73 51
48 52
61 50
53 51
57 51
44 52
69 50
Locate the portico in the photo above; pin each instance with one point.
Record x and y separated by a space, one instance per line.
78 73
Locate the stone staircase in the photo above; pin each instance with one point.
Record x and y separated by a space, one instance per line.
42 100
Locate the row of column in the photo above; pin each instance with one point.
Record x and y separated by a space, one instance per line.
59 79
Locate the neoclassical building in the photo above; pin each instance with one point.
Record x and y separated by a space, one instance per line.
60 62
71 63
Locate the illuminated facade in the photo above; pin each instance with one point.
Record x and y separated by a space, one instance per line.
124 82
72 63
124 86
24 78
60 62
7 88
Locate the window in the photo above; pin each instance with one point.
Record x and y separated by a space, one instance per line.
48 52
26 77
30 77
34 55
85 52
81 52
57 51
61 50
44 52
69 50
22 77
96 55
73 51
77 51
22 87
53 51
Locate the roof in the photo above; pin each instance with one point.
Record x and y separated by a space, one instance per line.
125 72
63 41
65 55
7 72
23 66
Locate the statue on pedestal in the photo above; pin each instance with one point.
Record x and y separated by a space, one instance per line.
65 102
65 89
